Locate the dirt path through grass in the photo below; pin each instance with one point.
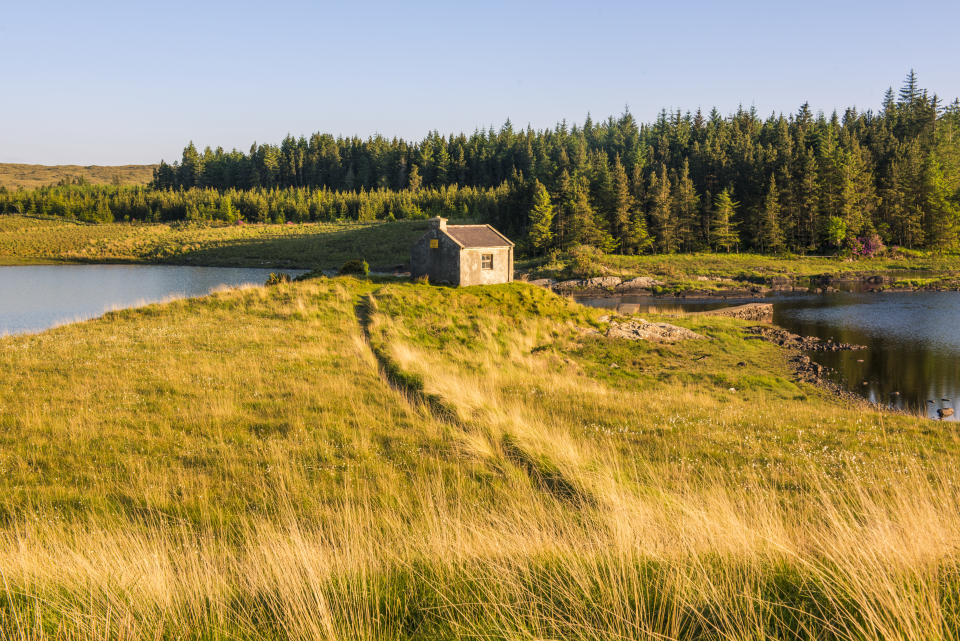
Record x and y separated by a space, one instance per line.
543 473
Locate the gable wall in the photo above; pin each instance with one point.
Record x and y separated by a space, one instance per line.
471 272
440 265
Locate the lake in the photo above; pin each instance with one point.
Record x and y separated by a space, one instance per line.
912 339
37 297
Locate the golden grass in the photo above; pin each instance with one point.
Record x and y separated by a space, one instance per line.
28 240
17 175
237 467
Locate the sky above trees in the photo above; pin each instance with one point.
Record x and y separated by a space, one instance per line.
123 82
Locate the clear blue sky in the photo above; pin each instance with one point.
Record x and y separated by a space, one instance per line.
131 82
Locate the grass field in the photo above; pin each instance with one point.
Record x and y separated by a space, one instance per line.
311 245
339 458
13 175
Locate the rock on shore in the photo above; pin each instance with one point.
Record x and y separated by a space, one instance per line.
762 312
638 283
641 330
596 284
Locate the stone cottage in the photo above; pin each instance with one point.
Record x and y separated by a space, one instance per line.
462 255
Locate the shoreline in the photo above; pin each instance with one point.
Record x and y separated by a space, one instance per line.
797 349
614 287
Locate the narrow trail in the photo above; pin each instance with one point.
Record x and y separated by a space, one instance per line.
409 386
541 472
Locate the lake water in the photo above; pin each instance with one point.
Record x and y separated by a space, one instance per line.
36 297
912 339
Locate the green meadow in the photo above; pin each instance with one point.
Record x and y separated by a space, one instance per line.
367 459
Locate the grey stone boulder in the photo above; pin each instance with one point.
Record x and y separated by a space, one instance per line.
640 282
641 330
596 283
566 285
601 282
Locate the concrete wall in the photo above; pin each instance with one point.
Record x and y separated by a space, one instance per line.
442 264
472 273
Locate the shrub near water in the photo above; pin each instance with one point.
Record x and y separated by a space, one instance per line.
239 468
357 266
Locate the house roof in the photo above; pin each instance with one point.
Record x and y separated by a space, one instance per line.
477 236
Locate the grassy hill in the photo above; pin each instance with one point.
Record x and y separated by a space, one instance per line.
341 458
14 175
25 240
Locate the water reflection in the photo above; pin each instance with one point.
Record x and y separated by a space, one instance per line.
913 341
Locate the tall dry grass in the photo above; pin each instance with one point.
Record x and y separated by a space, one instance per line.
714 562
554 497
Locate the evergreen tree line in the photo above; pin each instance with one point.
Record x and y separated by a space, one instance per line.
688 181
109 203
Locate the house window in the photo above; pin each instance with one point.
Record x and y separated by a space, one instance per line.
434 243
486 261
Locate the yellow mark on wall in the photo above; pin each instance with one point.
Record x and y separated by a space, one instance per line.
434 243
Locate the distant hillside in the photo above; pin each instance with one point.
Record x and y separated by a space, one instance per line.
29 176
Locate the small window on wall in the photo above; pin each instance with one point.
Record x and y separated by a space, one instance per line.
486 261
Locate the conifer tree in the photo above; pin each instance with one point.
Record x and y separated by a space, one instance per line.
563 210
807 199
191 167
585 225
769 235
638 239
858 199
602 183
660 206
723 235
942 212
910 92
541 218
621 206
686 204
414 181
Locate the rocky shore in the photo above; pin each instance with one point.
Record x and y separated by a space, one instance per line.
805 368
783 338
707 287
